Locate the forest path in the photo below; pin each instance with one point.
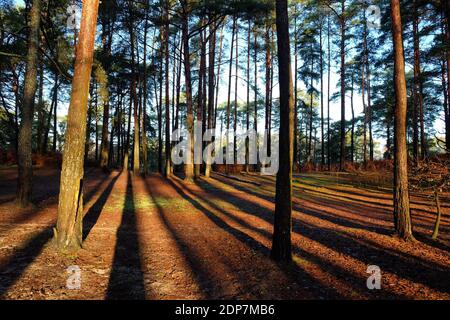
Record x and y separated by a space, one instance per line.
164 239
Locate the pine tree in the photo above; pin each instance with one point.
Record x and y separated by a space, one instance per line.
68 232
281 243
401 193
25 165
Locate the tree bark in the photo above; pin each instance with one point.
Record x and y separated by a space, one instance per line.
322 129
40 111
296 131
311 111
211 79
200 93
342 54
25 163
235 120
281 243
229 93
401 193
145 93
247 140
68 232
446 40
189 166
133 95
53 107
438 215
255 114
328 93
55 115
216 100
106 41
446 4
418 93
363 90
268 65
352 146
168 164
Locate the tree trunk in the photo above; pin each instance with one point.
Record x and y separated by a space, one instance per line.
446 4
366 114
144 106
168 166
401 194
352 146
96 121
322 129
438 215
363 90
53 107
235 122
369 111
268 66
178 89
40 111
247 141
126 156
328 93
311 111
68 232
229 93
189 166
104 148
281 244
159 107
342 24
416 93
200 92
255 114
133 96
296 133
25 163
216 101
89 122
211 78
445 36
55 115
119 127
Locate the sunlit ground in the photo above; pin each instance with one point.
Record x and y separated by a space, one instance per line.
157 239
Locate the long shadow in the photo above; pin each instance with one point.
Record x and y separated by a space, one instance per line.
126 280
365 202
11 271
22 218
192 259
91 217
376 194
433 243
396 262
357 208
357 283
426 216
419 220
369 252
14 267
255 209
292 271
95 188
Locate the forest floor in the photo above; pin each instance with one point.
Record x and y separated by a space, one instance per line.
164 239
